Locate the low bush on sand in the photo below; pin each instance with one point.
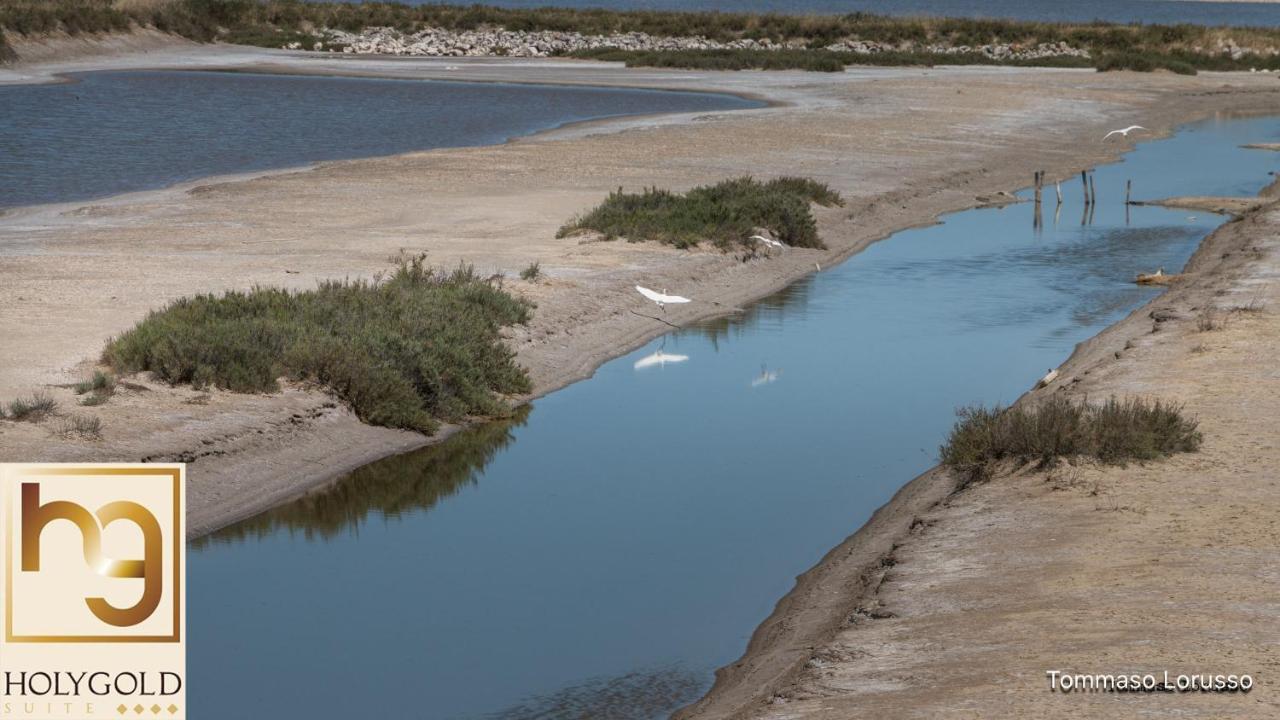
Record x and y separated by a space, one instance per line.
1113 432
402 351
83 427
33 408
725 213
532 272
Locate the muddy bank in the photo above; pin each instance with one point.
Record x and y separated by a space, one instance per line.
942 140
950 604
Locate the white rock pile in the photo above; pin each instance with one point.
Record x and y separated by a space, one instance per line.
438 42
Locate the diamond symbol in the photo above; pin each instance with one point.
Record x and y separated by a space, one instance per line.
122 709
155 709
173 709
138 709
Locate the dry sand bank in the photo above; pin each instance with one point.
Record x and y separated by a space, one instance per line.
957 605
904 145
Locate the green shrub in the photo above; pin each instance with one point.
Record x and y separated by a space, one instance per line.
401 351
1113 432
724 213
33 408
533 272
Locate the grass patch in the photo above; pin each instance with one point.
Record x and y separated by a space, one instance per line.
725 213
96 390
402 351
1142 62
80 426
1113 432
1210 320
34 408
811 60
100 382
531 273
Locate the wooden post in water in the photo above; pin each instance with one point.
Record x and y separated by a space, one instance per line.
1128 192
1093 190
1058 186
1084 179
1039 179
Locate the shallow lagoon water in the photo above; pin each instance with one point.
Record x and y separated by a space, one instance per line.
113 132
603 555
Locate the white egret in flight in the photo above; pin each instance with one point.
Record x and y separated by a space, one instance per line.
661 298
1125 131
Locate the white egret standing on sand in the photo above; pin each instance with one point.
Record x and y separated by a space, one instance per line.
661 298
1125 131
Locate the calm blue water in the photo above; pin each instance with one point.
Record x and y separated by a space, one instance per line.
114 132
1165 12
601 557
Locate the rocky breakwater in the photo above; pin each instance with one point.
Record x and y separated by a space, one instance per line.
438 42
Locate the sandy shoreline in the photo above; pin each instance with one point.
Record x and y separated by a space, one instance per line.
943 138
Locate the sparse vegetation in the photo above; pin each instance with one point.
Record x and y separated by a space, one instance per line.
402 351
33 408
531 273
273 23
1113 432
80 426
814 60
724 213
1209 319
97 390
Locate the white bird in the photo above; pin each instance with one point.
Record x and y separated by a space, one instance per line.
766 241
659 358
1125 132
661 298
1050 377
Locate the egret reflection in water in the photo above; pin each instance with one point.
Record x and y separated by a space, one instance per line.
766 377
659 358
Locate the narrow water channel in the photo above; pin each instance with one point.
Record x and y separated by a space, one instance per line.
601 556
